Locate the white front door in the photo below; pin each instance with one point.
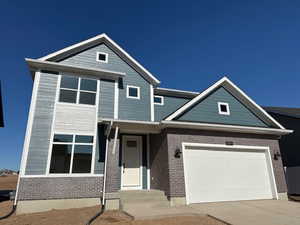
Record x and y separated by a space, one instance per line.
132 162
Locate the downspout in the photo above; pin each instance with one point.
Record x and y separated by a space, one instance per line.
105 172
105 164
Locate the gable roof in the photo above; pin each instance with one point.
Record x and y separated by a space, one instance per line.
285 111
102 38
238 93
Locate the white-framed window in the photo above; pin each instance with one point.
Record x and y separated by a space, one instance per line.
71 154
158 100
102 57
133 92
223 108
77 90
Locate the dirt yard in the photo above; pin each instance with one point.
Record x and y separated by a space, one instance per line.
81 216
8 182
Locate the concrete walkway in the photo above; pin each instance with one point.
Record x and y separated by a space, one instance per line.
260 212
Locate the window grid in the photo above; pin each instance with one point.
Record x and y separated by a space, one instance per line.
73 143
78 91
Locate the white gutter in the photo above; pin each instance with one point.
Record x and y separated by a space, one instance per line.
204 126
224 128
46 65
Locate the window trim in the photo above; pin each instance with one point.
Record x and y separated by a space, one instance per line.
158 96
133 97
77 92
227 107
73 143
99 60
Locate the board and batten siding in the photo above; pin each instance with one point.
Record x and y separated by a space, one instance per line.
129 109
207 111
75 119
106 99
41 127
171 104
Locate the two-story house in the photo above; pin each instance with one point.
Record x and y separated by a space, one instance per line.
99 125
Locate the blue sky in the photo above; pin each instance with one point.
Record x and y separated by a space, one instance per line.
186 44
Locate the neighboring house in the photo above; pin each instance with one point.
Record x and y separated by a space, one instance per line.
1 109
98 122
289 145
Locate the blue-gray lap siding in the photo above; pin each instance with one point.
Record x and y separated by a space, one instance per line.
41 127
129 109
171 104
106 99
207 111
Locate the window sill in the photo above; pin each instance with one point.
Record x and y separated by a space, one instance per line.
63 175
75 104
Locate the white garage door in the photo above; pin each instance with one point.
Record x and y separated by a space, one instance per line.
227 174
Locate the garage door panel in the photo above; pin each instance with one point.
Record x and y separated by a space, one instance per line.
226 175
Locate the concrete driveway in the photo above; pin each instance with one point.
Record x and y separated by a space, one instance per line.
260 212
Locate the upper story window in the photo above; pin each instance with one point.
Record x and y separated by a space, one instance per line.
71 154
158 100
102 57
223 108
133 92
78 90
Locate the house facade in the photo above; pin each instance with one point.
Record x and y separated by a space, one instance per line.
290 156
99 124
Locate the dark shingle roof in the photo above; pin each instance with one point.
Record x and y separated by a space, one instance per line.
286 111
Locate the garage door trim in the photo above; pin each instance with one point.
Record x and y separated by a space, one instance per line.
265 149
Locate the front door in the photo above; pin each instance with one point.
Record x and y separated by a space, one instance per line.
131 162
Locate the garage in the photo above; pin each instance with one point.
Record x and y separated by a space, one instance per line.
227 173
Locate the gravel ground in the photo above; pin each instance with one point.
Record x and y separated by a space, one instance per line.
82 215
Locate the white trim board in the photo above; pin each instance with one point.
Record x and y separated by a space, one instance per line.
151 103
36 64
102 53
237 92
265 149
102 38
220 104
225 128
161 98
138 92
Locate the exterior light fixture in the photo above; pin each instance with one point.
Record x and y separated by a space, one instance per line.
276 155
177 153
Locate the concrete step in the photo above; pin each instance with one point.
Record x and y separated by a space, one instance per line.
145 205
146 199
135 193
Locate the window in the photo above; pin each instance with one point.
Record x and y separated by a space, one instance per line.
78 90
158 100
133 92
223 108
102 57
71 154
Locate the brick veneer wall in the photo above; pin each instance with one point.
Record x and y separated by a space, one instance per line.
176 136
113 174
60 188
159 170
